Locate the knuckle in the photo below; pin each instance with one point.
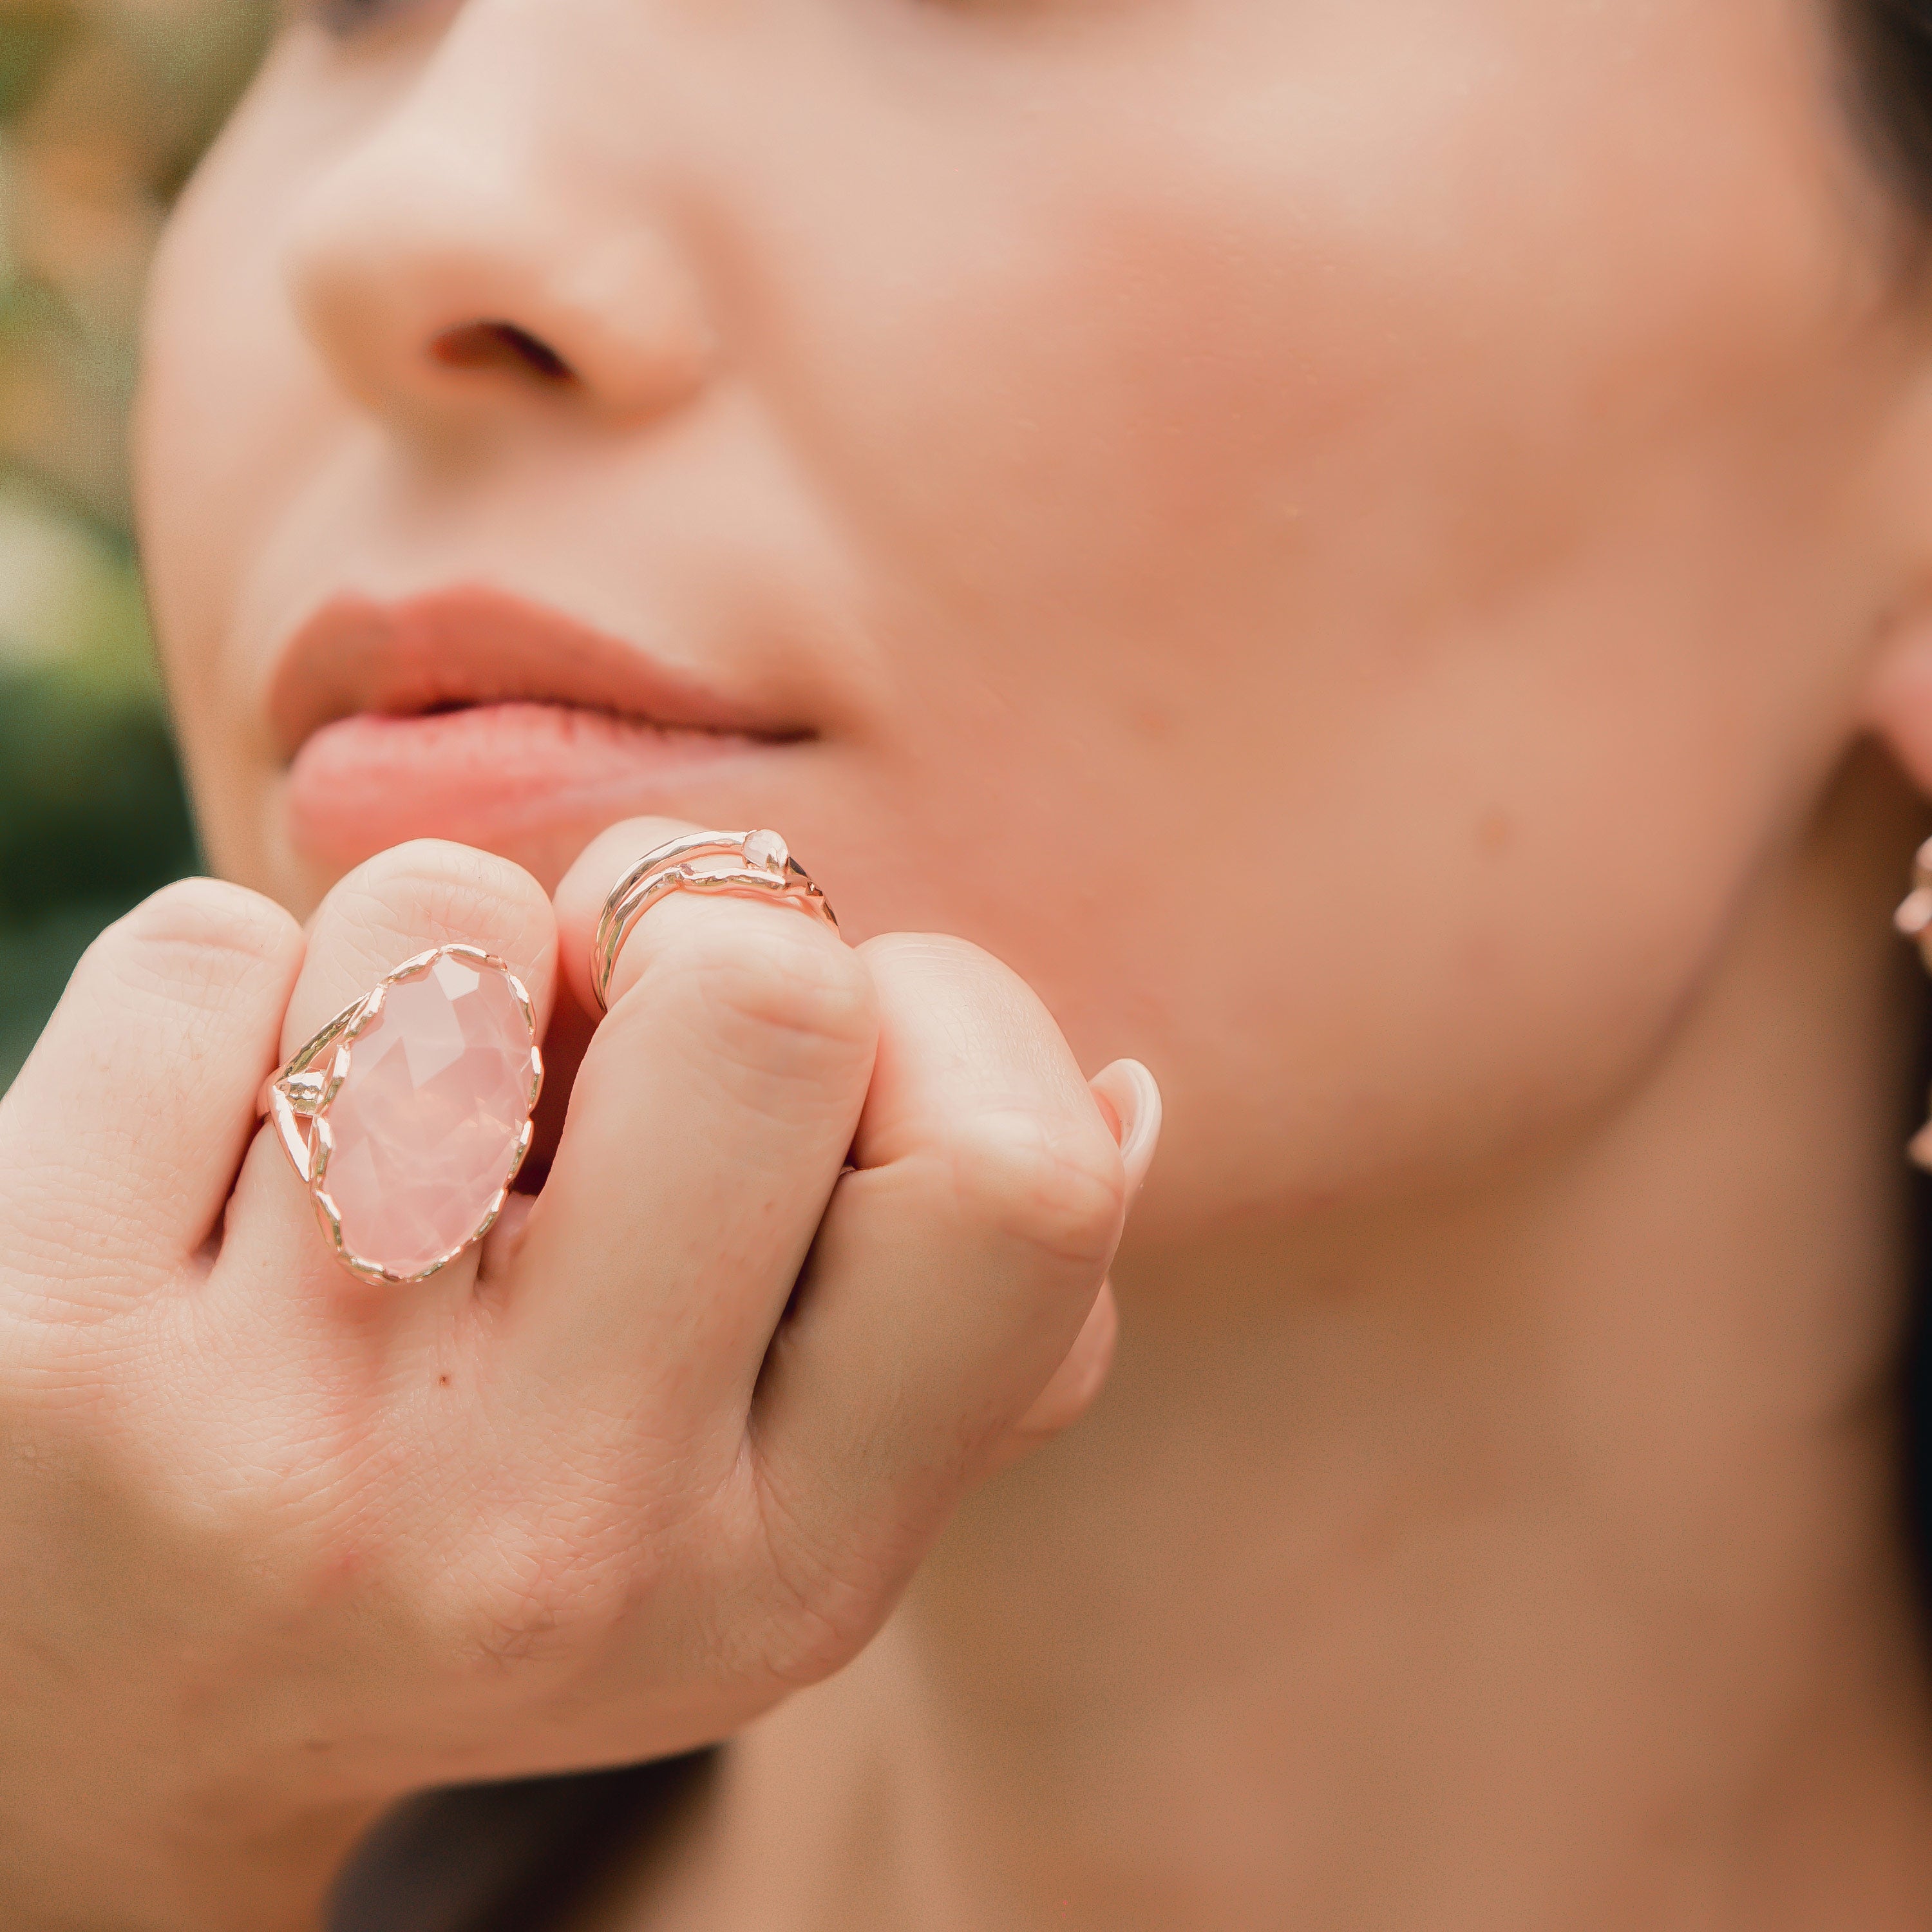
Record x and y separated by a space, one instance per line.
198 937
814 1634
774 993
538 1598
1054 1185
826 1599
430 892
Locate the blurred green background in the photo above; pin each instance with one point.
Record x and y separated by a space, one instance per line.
104 107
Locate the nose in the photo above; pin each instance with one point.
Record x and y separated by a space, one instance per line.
457 261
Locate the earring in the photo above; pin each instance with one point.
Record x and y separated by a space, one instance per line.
1914 919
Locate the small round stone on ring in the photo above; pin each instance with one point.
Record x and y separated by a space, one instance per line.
765 852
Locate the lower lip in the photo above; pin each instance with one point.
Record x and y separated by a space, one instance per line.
493 776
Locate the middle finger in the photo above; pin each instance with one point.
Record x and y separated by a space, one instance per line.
711 1116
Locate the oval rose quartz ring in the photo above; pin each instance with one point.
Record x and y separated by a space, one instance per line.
408 1116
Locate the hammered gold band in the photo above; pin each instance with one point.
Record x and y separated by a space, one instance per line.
756 864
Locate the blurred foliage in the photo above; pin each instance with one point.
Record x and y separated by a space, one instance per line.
105 105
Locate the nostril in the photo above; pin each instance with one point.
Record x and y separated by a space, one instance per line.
500 345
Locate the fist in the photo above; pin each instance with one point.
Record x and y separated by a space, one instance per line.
824 1242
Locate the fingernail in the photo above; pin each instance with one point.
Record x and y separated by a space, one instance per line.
1133 1095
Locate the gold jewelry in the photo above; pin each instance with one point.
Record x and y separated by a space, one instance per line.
408 1116
763 868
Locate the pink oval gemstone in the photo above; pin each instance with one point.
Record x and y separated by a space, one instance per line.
426 1123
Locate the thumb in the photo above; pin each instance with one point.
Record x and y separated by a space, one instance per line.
121 1139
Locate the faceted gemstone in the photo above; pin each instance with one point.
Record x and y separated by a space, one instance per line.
426 1124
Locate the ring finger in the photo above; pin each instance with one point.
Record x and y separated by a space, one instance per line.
419 896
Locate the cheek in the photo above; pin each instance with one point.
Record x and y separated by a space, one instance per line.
1145 380
1376 630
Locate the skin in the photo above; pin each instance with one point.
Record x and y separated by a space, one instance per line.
1378 563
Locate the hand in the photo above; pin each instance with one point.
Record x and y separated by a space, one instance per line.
277 1547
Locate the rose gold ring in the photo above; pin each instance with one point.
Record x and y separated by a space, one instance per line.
408 1116
757 864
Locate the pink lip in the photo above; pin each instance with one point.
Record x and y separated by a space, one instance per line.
469 715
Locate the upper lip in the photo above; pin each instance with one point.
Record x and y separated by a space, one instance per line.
469 645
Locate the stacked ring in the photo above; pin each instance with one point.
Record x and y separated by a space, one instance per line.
755 863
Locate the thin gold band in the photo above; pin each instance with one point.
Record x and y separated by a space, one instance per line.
764 869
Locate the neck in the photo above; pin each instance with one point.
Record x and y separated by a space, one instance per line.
1529 1556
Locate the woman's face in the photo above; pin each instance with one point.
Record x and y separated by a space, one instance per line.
1330 538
